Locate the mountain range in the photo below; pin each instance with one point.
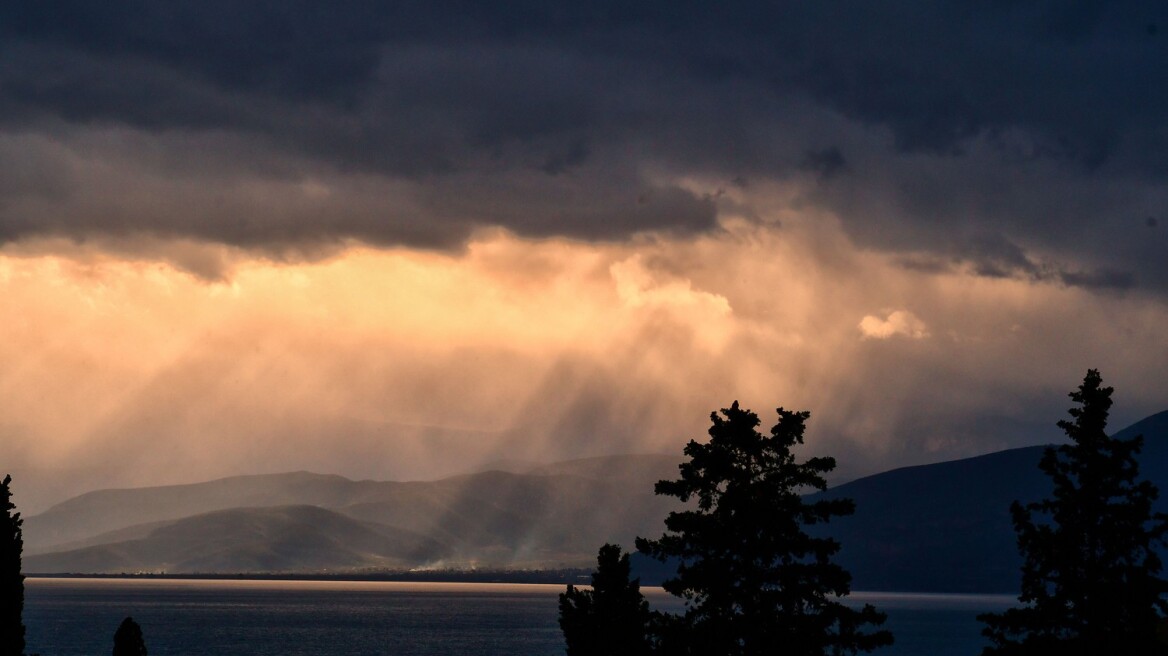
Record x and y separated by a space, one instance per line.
942 527
543 517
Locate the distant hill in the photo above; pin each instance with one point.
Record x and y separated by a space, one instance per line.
102 511
946 527
555 516
282 538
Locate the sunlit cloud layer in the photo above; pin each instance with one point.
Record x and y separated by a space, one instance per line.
405 364
897 323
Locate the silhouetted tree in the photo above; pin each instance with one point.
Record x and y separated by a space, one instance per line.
128 639
754 581
1090 576
11 579
611 619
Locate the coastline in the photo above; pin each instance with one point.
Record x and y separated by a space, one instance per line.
574 576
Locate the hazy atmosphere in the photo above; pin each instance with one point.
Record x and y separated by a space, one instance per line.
405 243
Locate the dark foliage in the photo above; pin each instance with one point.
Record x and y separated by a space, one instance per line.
1090 577
611 619
128 639
11 580
754 581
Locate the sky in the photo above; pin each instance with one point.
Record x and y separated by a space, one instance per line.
406 241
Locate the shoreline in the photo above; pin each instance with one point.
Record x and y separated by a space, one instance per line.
574 576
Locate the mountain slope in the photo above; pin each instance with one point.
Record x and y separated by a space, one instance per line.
277 539
102 511
508 519
946 527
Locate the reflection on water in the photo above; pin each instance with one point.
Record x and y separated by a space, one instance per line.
71 617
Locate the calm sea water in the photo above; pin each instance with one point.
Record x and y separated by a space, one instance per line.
71 617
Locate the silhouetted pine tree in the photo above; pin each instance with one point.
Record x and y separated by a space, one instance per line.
128 639
1090 578
611 619
754 581
11 580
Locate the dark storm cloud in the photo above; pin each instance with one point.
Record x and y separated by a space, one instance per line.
1080 74
827 163
1038 121
995 256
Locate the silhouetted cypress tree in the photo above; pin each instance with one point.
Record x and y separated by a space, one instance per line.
611 619
11 580
1090 578
128 639
754 581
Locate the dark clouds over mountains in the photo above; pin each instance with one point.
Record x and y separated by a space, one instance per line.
1014 139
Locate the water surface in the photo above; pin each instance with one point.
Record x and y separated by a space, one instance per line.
72 617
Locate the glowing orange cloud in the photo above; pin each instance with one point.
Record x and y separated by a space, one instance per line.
397 363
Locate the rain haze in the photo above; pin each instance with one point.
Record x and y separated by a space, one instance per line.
402 242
